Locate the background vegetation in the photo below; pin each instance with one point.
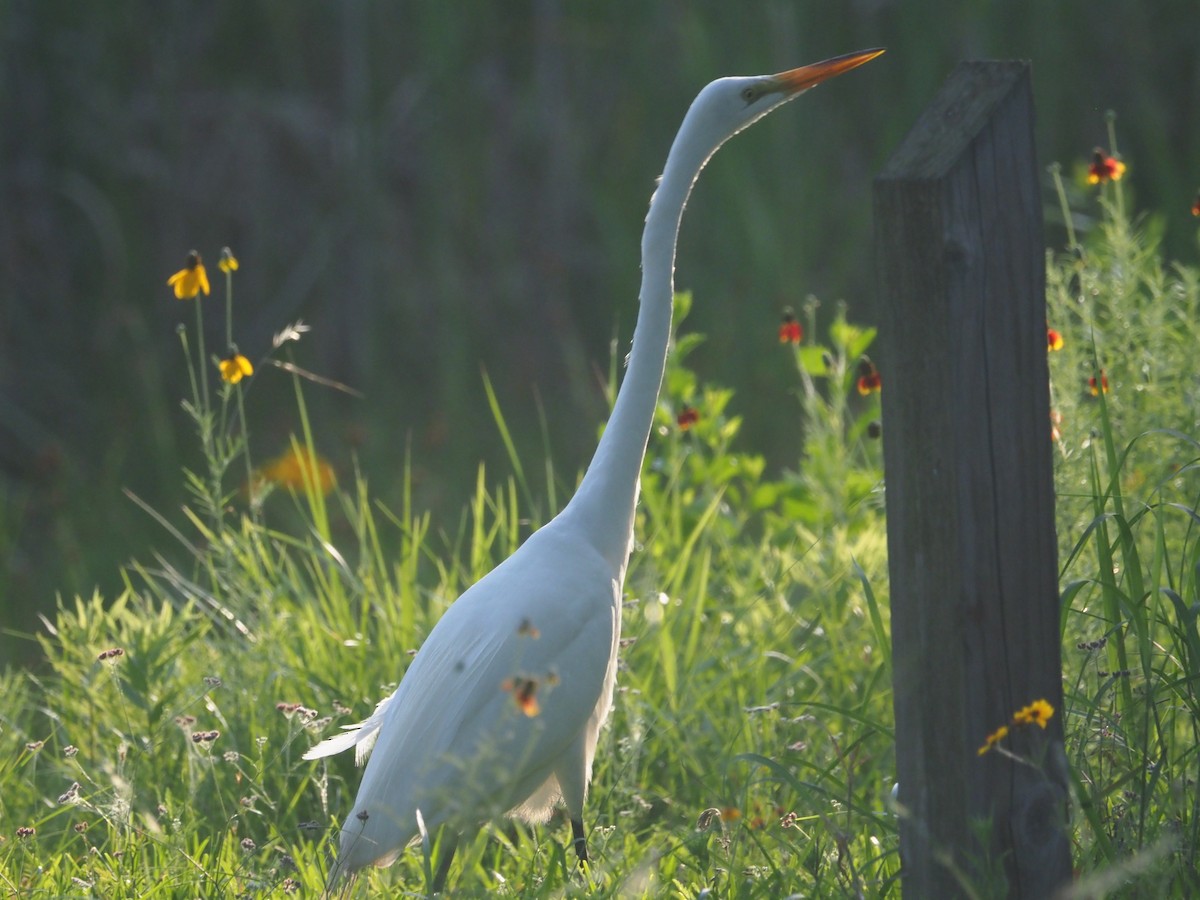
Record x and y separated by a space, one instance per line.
439 193
444 188
750 751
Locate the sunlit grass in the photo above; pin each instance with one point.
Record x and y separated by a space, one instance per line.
750 750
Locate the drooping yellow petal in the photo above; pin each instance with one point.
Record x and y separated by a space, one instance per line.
235 368
191 279
993 739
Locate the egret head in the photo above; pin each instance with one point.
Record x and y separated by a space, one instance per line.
728 105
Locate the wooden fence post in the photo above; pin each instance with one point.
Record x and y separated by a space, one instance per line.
970 494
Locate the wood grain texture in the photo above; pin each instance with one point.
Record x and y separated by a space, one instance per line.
970 496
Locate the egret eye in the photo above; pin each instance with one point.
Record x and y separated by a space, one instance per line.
750 94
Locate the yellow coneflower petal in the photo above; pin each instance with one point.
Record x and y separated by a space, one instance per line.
191 279
993 739
1039 712
235 368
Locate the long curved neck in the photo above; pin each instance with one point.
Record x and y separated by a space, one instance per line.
603 507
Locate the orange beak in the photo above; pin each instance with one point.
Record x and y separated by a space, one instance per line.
803 78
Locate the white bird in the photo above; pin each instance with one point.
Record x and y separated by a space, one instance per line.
500 710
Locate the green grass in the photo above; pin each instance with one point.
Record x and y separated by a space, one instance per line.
750 751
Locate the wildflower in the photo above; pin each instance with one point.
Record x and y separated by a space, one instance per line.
707 817
80 827
993 739
1098 387
228 261
26 831
248 845
70 750
790 331
524 691
869 379
1196 205
1054 340
1039 712
110 654
688 416
295 466
235 367
191 279
35 746
1104 168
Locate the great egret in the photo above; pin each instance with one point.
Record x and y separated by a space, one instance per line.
500 709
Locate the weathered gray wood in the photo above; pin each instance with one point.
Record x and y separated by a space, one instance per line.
970 496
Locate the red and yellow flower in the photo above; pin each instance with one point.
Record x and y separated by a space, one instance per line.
1104 167
869 379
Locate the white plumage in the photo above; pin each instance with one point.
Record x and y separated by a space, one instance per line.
501 709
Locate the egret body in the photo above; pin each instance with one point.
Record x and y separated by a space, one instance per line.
500 710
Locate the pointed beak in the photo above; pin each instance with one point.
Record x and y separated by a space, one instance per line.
803 78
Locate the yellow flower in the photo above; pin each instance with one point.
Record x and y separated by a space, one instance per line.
191 279
1039 712
290 470
234 368
228 261
993 739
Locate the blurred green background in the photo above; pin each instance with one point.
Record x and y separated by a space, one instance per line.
442 189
